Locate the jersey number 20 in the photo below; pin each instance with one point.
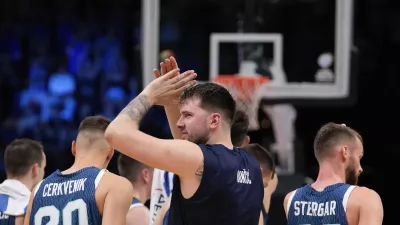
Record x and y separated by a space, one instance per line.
54 214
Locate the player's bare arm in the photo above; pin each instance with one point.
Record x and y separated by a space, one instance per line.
29 209
178 156
138 216
370 203
172 106
286 202
161 214
117 201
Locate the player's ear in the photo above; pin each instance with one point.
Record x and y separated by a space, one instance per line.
215 119
146 175
345 152
73 148
35 170
110 154
246 141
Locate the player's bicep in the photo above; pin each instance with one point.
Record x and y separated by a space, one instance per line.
117 203
371 210
178 156
138 216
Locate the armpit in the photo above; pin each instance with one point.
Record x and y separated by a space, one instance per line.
199 171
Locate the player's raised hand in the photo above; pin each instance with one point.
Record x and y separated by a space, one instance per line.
167 88
166 66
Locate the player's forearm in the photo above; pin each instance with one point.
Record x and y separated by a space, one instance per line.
125 126
137 108
173 115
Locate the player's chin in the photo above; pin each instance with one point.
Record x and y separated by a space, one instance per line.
184 136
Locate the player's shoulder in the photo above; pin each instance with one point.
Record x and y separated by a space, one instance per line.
365 195
117 183
287 200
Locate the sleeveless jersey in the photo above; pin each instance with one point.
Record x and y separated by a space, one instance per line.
14 199
135 203
230 192
308 206
67 198
160 191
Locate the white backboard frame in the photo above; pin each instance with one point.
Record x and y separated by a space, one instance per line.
340 89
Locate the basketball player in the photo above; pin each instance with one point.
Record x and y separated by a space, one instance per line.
141 177
24 161
334 198
206 175
85 193
239 139
238 135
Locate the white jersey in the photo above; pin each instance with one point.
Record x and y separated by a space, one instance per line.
160 191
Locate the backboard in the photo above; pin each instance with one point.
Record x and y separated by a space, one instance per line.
324 75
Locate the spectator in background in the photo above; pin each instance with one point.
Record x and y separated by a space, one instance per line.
62 89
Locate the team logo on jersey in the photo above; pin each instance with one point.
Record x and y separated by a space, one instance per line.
243 176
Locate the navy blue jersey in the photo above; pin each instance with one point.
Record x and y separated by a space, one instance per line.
265 215
230 192
6 219
308 206
67 199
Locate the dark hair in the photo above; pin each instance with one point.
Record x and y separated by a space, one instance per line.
129 168
331 134
239 128
263 157
20 155
213 97
94 123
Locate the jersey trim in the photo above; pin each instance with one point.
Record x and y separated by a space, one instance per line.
346 196
135 205
37 187
290 201
98 178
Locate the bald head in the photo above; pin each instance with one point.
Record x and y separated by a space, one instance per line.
331 136
91 133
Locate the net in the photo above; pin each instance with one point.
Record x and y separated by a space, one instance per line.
246 91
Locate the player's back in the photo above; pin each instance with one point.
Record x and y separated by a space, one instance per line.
67 198
230 192
308 206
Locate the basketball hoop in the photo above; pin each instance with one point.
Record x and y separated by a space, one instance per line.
245 91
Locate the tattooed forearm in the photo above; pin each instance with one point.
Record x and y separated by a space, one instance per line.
199 171
137 108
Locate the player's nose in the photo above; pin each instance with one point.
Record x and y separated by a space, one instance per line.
180 124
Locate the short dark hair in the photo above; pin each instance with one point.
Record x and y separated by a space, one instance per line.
20 155
239 128
331 134
263 157
129 168
94 123
213 97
